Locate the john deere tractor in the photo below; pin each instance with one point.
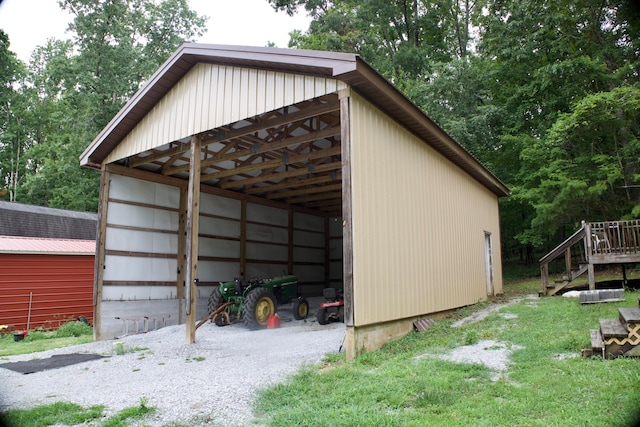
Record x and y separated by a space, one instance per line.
253 301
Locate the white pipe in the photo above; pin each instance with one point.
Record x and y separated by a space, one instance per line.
29 313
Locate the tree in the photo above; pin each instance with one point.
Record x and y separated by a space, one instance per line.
74 89
12 125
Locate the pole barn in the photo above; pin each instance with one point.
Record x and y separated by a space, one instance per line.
246 161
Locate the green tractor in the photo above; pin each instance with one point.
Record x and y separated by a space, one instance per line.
253 301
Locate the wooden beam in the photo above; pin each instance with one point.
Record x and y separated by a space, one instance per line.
193 220
259 148
284 160
292 183
324 196
227 136
290 242
310 190
98 272
325 167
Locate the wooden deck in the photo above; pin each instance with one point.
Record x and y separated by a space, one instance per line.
609 242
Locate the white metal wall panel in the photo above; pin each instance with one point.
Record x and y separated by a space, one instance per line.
136 190
141 216
267 214
266 233
136 293
267 270
418 227
129 268
141 241
308 238
308 222
218 271
309 273
221 206
266 252
219 227
209 96
210 247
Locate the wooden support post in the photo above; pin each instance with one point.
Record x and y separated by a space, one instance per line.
101 237
193 222
567 262
347 226
624 275
243 238
327 251
180 279
589 253
290 243
544 274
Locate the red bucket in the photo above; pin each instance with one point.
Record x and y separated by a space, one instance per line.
273 321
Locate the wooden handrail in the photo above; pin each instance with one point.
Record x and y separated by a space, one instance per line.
562 247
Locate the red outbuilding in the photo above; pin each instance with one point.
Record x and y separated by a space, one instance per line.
45 281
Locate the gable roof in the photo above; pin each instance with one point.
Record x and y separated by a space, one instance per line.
17 219
348 68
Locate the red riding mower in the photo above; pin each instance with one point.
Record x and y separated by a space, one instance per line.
332 309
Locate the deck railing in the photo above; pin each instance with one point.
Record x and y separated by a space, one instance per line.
615 237
608 242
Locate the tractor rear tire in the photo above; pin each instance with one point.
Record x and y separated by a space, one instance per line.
300 309
323 316
258 306
215 300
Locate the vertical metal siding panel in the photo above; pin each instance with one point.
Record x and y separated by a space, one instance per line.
235 95
247 107
419 237
198 104
278 96
62 287
298 92
209 96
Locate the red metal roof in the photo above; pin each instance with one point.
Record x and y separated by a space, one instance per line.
14 244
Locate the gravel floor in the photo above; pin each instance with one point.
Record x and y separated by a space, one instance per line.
212 382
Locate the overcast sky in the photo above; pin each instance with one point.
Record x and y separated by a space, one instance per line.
29 23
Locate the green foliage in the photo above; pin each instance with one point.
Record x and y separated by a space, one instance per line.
74 328
406 383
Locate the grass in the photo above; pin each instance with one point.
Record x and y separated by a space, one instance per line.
404 384
71 333
61 413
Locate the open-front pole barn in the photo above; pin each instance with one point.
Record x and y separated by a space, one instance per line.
243 161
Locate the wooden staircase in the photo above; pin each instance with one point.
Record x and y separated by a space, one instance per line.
617 337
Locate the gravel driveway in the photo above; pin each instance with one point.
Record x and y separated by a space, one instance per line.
211 382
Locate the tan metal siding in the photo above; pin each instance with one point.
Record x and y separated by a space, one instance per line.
209 96
418 224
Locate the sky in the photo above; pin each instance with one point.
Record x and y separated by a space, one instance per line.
29 23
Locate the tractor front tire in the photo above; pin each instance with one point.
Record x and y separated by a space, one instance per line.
323 316
258 306
300 309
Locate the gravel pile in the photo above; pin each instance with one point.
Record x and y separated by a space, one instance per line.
212 382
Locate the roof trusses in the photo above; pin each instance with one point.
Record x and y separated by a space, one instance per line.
290 155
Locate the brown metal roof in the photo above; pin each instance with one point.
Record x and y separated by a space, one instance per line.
348 68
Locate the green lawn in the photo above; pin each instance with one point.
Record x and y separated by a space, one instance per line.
405 384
